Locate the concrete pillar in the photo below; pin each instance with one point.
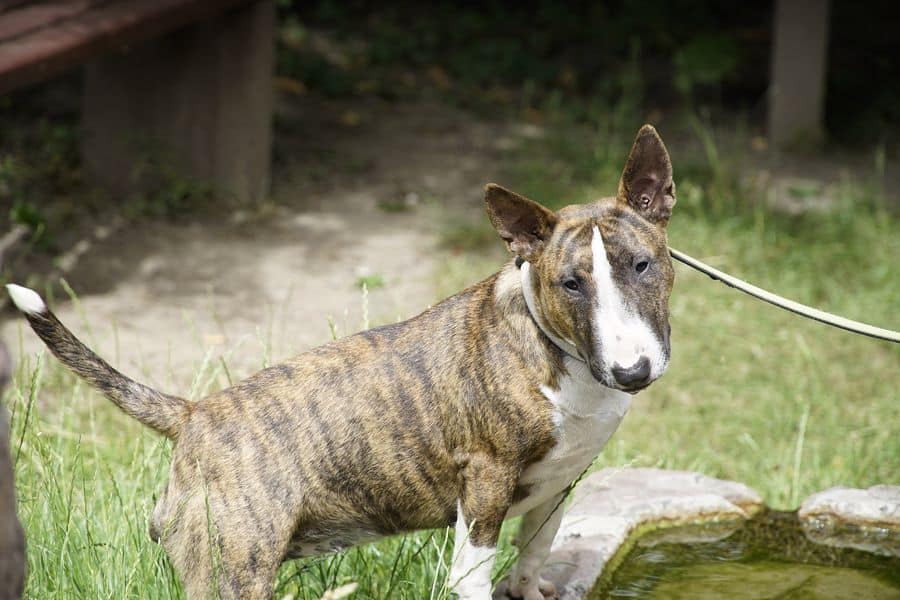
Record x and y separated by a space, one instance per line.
196 102
799 60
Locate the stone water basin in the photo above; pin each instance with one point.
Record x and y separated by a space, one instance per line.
768 556
673 535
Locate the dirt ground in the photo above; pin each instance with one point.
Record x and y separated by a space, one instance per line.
356 193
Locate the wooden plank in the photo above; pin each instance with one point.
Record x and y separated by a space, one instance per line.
31 17
100 29
6 5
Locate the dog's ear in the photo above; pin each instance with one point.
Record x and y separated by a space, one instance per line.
523 224
646 184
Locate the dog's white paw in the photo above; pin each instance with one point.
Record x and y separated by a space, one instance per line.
532 588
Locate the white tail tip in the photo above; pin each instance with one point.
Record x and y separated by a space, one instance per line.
26 300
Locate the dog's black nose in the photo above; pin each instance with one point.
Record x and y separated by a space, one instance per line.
635 376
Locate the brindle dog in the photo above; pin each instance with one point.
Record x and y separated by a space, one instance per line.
483 407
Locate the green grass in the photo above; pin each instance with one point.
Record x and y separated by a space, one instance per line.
755 394
85 479
373 281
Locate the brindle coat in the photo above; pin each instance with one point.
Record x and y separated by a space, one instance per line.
394 429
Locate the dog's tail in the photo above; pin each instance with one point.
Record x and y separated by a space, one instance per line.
164 413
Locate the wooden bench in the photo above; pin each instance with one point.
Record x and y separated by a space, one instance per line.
184 82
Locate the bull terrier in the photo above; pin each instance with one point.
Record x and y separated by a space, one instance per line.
484 407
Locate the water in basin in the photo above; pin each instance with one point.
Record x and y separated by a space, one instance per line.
766 558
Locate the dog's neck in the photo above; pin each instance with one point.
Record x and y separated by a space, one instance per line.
530 302
532 335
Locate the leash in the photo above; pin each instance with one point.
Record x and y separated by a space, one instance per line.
789 305
739 284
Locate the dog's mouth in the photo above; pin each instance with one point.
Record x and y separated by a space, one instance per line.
635 389
601 375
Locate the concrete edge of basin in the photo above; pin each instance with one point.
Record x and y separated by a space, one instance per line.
864 519
612 505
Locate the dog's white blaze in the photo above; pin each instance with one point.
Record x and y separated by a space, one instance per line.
624 337
586 415
25 299
470 572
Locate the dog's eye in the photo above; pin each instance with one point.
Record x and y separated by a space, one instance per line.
571 284
641 266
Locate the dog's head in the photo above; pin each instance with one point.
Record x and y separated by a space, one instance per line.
600 274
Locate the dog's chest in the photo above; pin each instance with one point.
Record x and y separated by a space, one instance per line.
586 415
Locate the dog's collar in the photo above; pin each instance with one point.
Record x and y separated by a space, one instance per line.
525 274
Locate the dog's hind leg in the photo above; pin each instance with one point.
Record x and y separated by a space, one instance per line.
250 554
228 553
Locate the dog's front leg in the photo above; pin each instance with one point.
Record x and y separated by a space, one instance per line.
486 489
536 533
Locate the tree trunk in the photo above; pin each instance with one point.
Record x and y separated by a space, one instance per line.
797 87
